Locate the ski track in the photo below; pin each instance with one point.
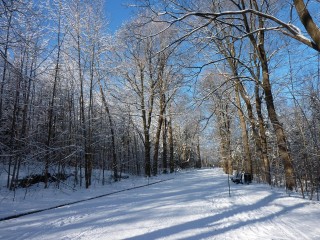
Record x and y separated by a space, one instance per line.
196 205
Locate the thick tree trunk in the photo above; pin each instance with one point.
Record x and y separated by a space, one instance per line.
260 140
136 156
283 150
199 161
277 126
146 119
307 21
244 133
157 137
263 137
147 154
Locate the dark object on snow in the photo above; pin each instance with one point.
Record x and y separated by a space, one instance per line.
59 177
37 178
237 178
124 176
33 179
247 178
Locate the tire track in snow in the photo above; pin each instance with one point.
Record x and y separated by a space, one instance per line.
75 202
274 223
291 232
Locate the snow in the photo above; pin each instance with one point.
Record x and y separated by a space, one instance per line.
193 205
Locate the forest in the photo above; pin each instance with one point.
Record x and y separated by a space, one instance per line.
182 84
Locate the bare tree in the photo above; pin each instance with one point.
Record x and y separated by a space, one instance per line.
54 91
141 77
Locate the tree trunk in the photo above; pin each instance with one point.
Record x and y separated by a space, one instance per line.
113 141
244 133
5 64
225 137
307 21
147 154
164 146
199 161
88 147
263 137
52 103
82 103
14 131
146 125
171 149
279 131
157 137
277 126
229 51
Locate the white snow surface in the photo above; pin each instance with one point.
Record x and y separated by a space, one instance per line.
193 205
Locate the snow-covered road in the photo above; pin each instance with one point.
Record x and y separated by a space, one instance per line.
195 205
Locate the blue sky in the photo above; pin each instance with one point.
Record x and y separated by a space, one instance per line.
117 13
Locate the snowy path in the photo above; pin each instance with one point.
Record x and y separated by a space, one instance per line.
195 205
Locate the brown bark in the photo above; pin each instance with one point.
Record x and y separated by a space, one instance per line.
261 149
164 146
244 133
277 126
157 137
199 161
171 149
263 137
307 21
260 140
228 50
146 119
225 135
279 131
113 144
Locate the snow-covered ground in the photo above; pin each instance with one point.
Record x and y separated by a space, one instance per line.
194 205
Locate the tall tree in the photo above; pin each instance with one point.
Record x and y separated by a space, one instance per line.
140 76
259 45
51 107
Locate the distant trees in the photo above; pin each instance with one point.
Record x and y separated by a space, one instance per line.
153 77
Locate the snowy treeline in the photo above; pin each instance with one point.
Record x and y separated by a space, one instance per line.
182 84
